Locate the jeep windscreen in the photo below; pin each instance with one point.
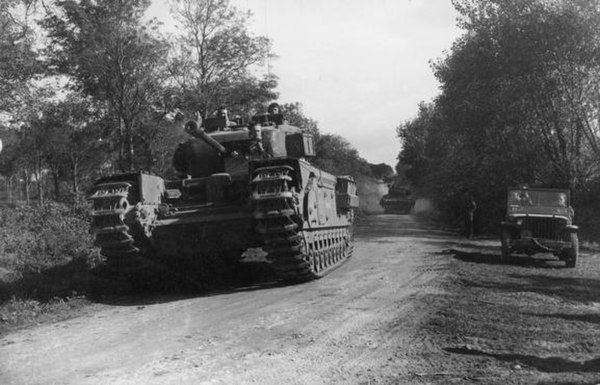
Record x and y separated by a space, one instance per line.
528 202
537 198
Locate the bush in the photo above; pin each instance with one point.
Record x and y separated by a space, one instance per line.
34 238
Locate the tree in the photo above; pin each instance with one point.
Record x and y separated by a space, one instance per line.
382 171
18 59
336 155
163 139
530 67
73 144
518 104
213 58
9 159
114 57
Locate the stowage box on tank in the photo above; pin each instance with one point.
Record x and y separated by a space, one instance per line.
243 186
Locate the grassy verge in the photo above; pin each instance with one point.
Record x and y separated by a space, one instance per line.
46 255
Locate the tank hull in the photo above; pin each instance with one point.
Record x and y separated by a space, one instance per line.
300 215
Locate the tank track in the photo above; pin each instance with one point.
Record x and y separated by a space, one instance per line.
114 237
296 254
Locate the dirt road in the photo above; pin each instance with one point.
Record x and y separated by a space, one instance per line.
358 325
412 306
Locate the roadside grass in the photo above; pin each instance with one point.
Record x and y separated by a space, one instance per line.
34 238
46 255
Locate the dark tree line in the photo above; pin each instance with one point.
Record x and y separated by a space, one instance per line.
91 87
518 105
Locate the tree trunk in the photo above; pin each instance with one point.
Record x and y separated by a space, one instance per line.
26 186
56 186
40 189
9 188
129 149
129 137
122 140
75 177
40 186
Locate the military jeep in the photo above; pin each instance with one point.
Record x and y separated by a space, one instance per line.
540 221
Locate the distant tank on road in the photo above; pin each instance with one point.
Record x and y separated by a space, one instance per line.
398 200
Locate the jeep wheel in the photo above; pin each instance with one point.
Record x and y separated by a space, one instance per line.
504 247
573 253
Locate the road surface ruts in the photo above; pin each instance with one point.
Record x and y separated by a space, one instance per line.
360 323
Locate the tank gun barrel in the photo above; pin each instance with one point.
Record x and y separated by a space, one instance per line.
193 128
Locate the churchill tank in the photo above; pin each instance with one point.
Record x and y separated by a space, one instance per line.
398 200
240 186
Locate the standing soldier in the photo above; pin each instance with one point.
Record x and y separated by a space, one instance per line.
470 208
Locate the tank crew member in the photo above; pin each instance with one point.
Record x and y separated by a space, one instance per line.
275 114
256 145
273 109
223 113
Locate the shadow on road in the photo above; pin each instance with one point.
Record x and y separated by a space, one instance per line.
559 382
570 288
102 285
537 261
591 317
473 244
547 365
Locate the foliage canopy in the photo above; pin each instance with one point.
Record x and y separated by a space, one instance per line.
518 104
92 87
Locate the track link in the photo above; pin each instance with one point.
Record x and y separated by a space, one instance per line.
113 235
297 254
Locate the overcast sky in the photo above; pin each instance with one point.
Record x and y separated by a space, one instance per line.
359 67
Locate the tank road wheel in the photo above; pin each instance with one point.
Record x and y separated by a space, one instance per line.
573 252
296 255
504 247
